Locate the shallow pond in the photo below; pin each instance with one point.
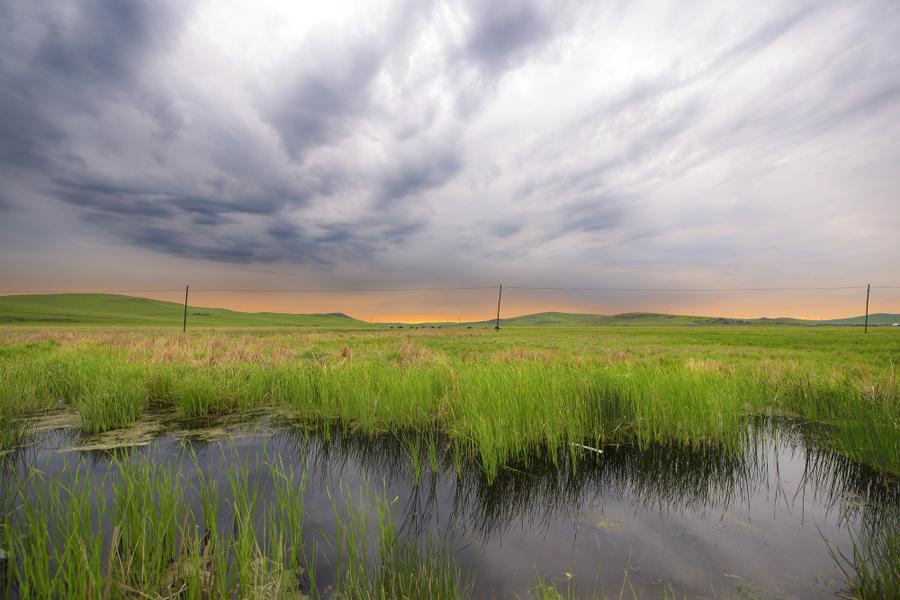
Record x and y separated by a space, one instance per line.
700 522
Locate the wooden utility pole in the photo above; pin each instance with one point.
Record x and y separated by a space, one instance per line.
184 323
499 296
868 291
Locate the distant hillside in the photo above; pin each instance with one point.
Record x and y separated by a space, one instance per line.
558 319
561 319
876 319
112 309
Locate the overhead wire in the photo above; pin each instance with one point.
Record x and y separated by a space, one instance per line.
449 288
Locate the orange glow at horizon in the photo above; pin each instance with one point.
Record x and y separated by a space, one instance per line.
481 305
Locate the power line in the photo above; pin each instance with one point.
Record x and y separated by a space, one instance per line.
256 290
447 289
732 289
347 290
155 291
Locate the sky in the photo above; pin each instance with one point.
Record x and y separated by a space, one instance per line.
235 145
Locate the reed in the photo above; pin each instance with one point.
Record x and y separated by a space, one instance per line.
66 541
390 566
497 398
872 570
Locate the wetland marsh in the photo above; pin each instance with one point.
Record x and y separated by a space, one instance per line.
616 462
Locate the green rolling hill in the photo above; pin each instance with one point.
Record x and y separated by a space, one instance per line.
876 319
560 319
112 309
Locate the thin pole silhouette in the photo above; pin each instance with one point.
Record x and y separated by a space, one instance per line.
868 291
184 323
499 296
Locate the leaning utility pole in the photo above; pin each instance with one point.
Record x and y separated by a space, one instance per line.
868 291
184 323
499 296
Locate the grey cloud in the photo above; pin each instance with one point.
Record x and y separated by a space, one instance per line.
348 152
210 219
397 233
333 243
207 240
326 95
501 31
426 171
505 230
77 56
153 201
25 135
591 215
105 41
93 57
501 36
168 119
606 217
96 199
178 243
211 229
598 214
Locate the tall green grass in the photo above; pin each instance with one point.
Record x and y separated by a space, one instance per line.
108 392
497 402
66 541
11 432
872 569
392 567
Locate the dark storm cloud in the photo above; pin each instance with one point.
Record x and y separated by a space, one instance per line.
333 243
325 97
25 134
177 243
207 240
185 225
84 60
104 41
97 56
501 32
500 37
155 201
389 133
427 171
56 63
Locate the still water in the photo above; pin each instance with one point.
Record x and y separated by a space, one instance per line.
699 522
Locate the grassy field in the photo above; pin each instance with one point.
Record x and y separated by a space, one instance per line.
499 396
